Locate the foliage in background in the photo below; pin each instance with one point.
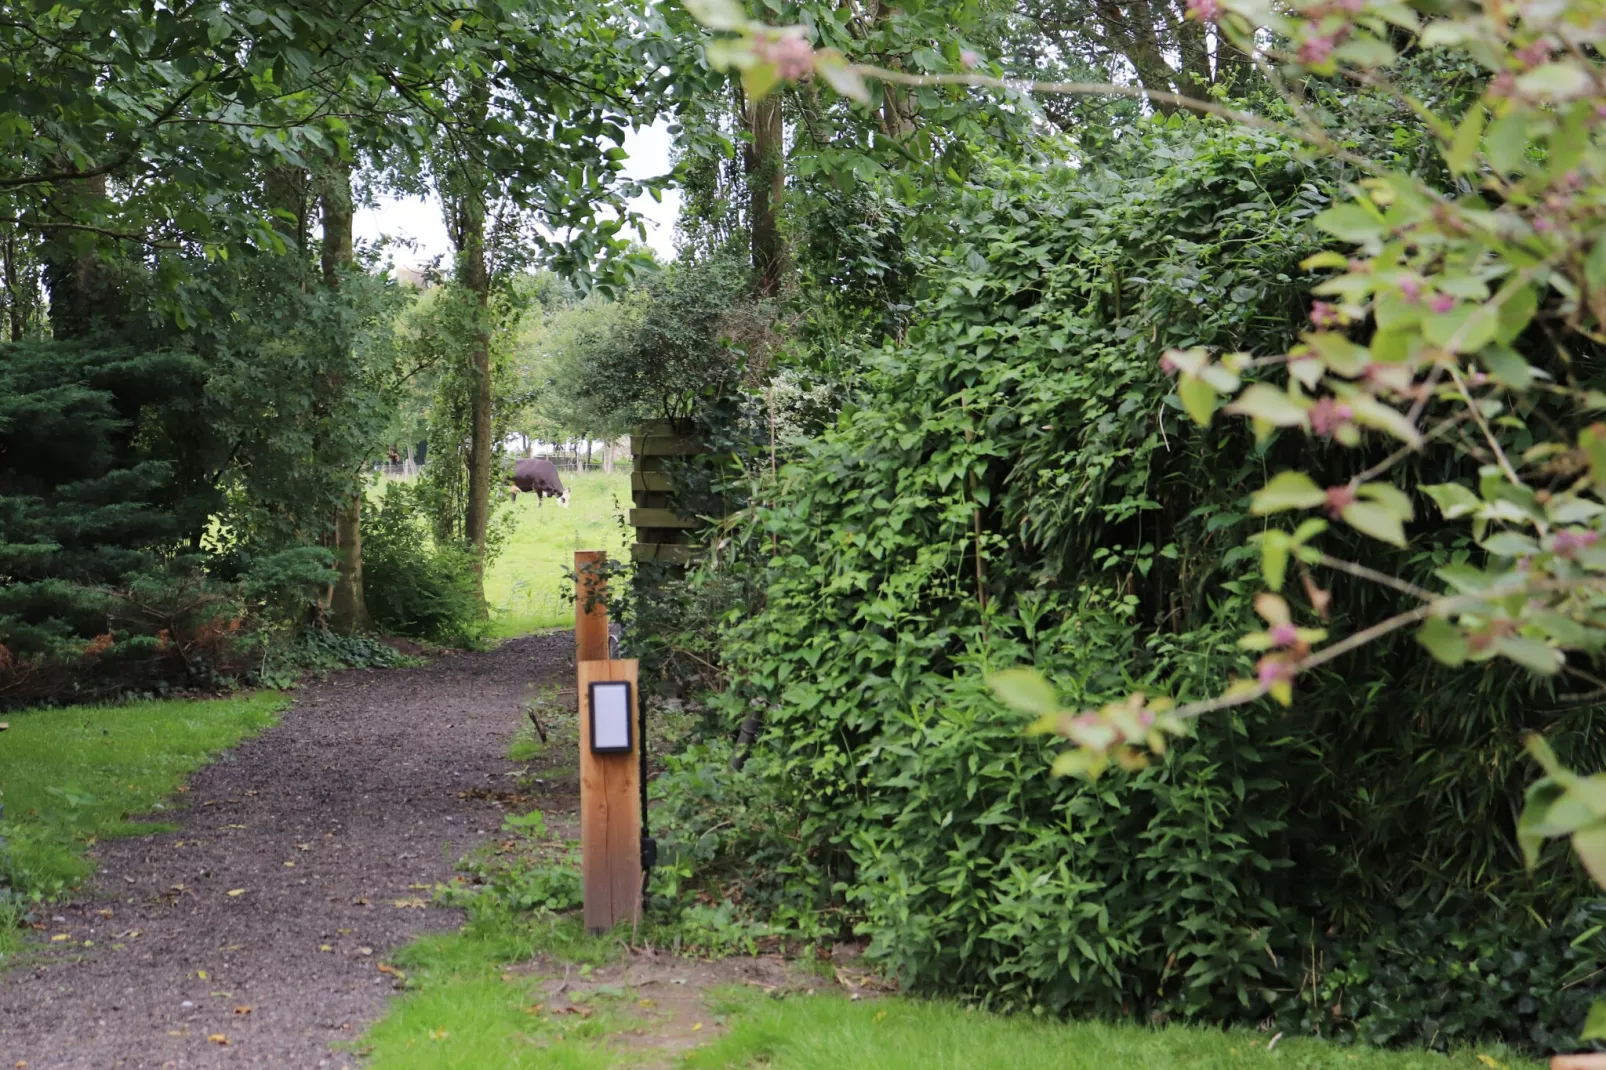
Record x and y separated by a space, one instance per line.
1018 483
418 585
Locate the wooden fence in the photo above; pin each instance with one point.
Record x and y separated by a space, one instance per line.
661 533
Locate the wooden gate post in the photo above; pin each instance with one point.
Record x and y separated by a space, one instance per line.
590 611
610 810
610 784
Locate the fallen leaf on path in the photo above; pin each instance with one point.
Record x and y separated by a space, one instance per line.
104 913
361 903
253 793
58 938
645 1003
178 1032
290 865
418 887
242 1010
325 947
220 1039
365 951
201 974
534 1008
237 891
408 904
231 826
695 1026
303 846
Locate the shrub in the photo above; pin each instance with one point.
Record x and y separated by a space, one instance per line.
1016 484
414 585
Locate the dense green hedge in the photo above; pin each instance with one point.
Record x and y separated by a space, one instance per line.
1021 448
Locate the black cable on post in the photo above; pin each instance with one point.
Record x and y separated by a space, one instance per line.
649 846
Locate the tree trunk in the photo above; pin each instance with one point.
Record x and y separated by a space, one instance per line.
765 164
466 187
81 293
348 608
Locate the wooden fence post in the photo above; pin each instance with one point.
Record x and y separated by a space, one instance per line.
610 809
590 611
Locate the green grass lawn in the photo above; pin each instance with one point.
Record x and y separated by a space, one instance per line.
525 583
71 776
830 1033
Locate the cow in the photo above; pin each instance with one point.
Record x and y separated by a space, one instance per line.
534 475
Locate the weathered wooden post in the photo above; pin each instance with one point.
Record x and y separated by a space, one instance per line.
610 765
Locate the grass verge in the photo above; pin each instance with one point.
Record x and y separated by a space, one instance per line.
74 775
525 584
827 1032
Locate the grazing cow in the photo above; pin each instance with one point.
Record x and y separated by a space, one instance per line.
533 475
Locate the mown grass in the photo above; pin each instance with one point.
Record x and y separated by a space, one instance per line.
525 584
461 1011
828 1032
74 775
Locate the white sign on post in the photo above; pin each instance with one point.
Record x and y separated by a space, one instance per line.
610 717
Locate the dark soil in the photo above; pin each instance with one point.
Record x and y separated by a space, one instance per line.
255 934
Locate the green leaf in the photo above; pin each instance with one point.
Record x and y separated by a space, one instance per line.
1274 547
1506 142
1389 497
758 79
1025 689
1534 822
1595 1024
1589 844
1507 367
1453 499
1443 640
1198 399
1371 519
1270 405
718 14
1287 490
1459 154
1562 80
840 75
1351 223
1530 653
1515 312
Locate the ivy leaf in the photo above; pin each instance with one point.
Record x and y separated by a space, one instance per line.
1025 689
1287 490
1443 640
1372 519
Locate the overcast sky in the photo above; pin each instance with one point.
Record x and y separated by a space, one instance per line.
420 219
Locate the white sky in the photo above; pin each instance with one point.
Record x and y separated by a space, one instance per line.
420 219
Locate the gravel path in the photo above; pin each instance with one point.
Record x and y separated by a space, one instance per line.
302 859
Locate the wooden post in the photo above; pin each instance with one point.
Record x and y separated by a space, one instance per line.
590 614
610 810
